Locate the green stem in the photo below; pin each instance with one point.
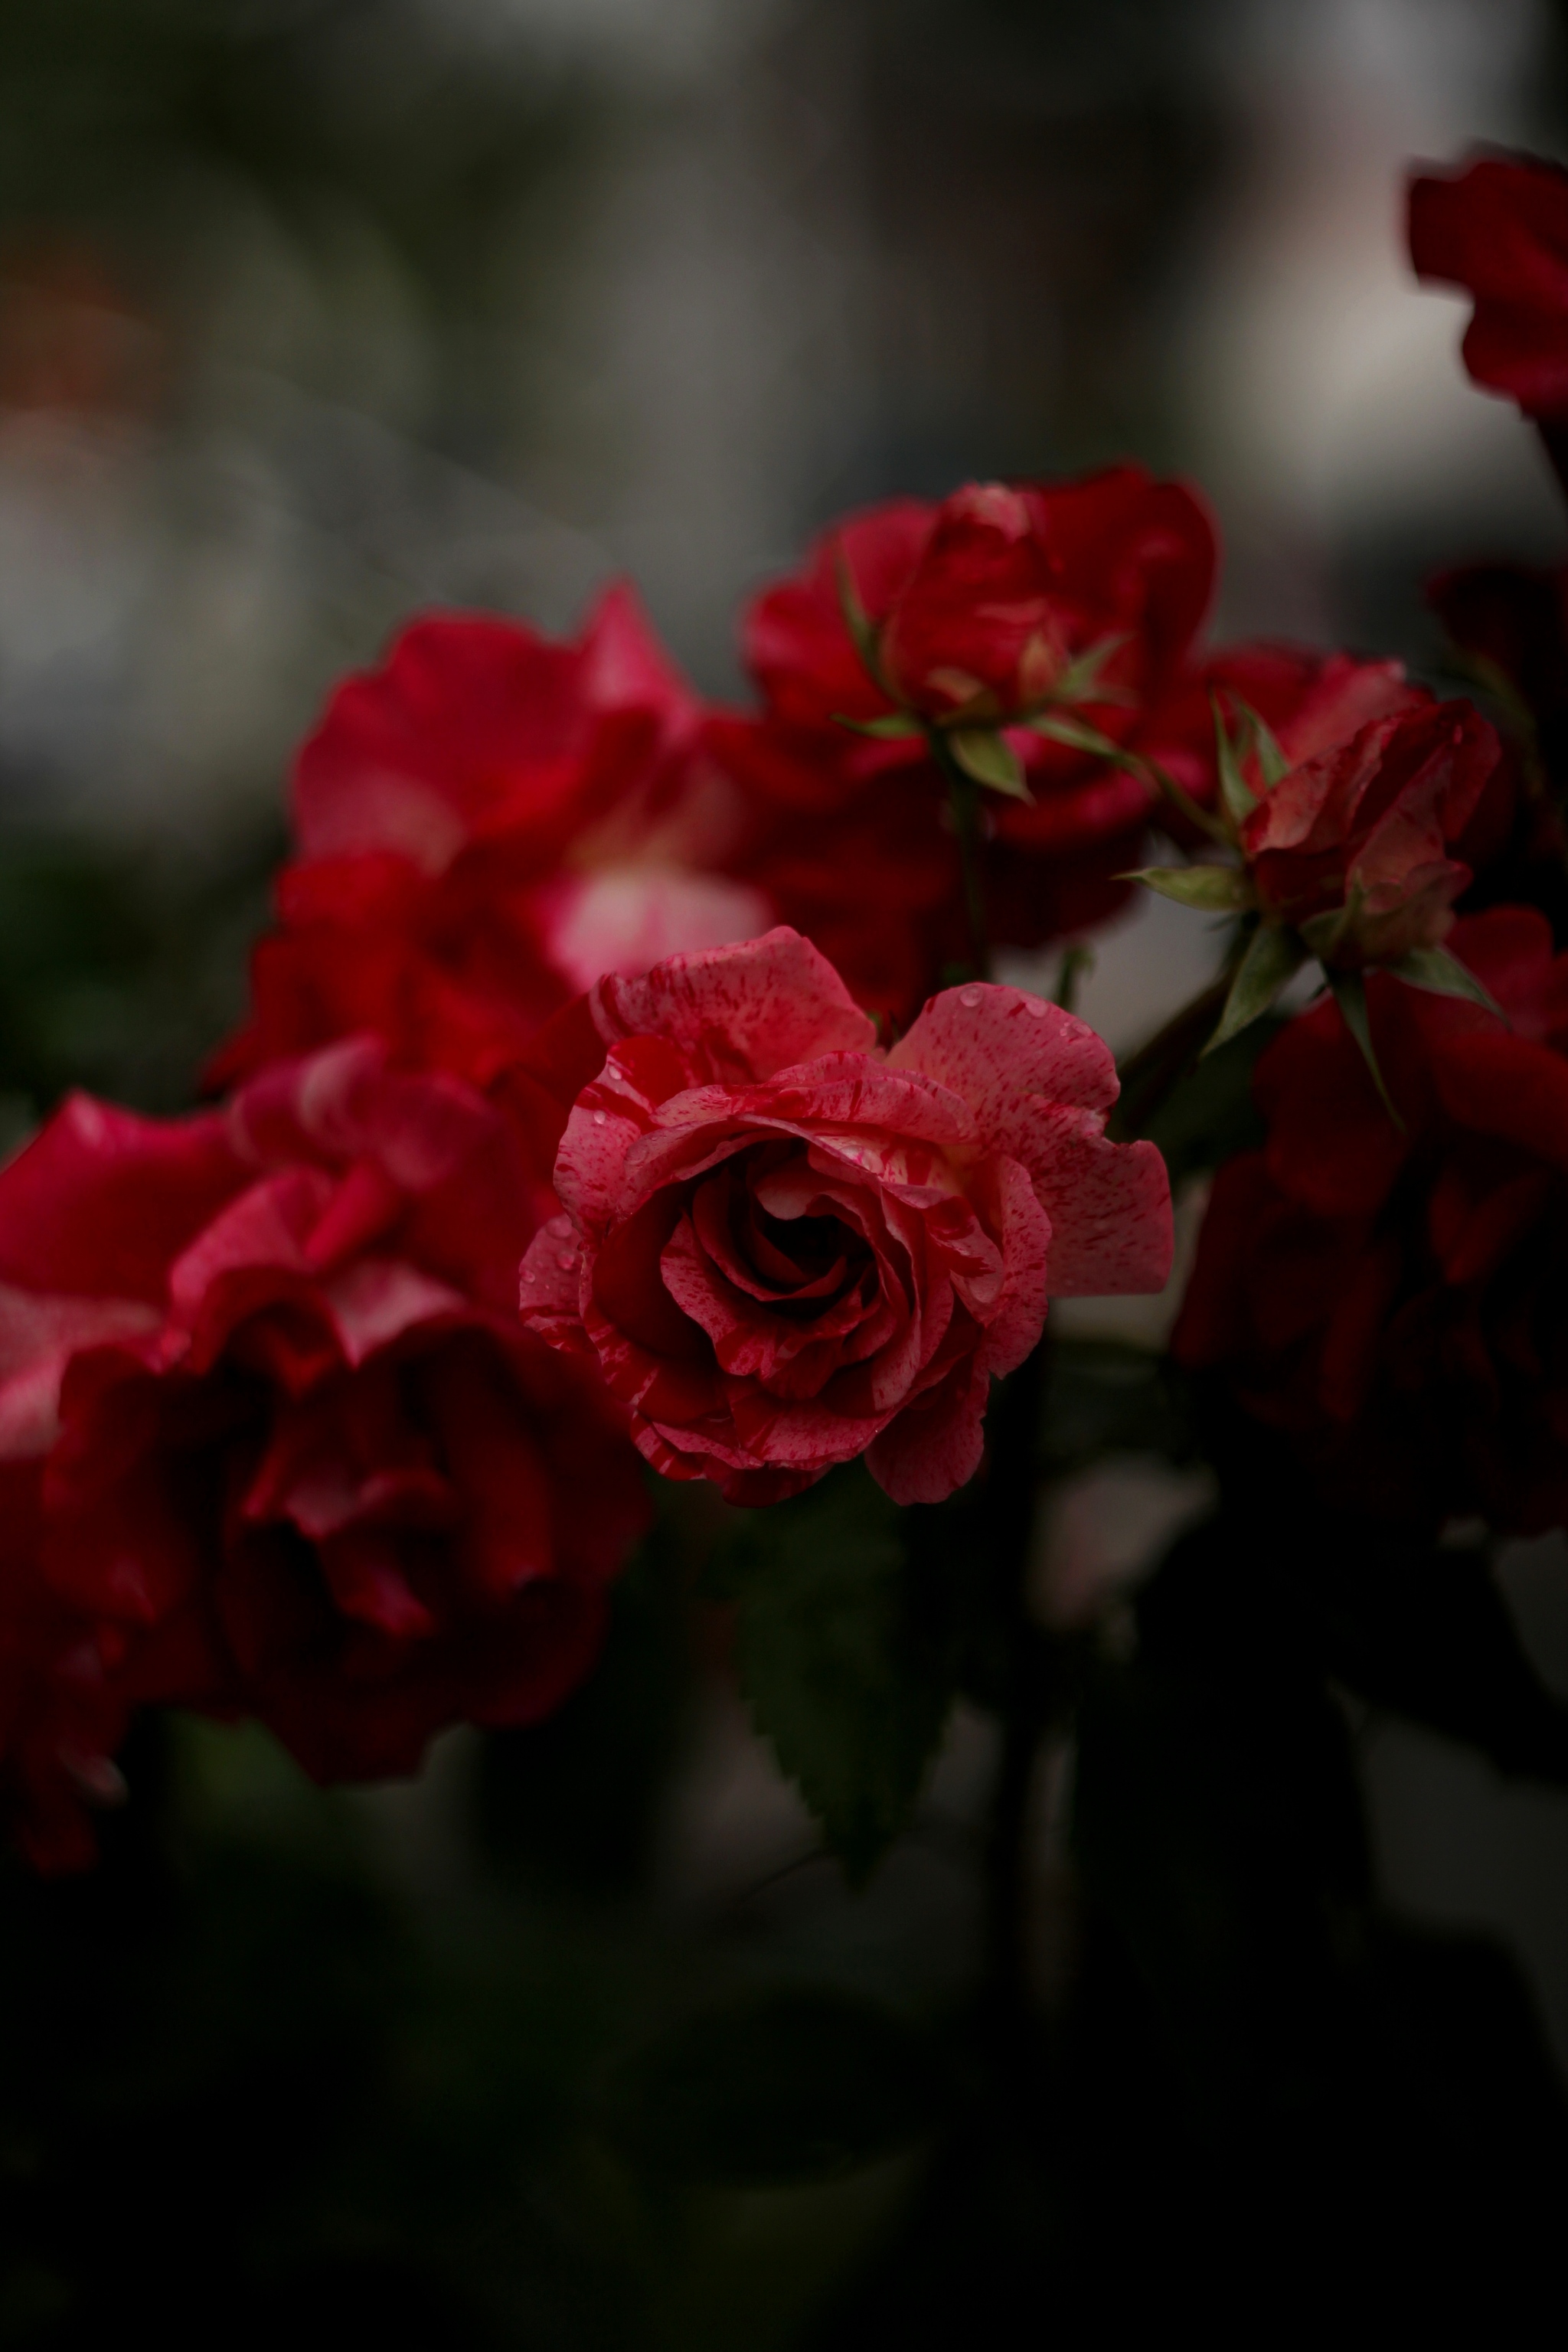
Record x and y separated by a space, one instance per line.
1027 1697
964 799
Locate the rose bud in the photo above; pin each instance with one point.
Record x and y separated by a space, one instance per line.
1351 846
786 1248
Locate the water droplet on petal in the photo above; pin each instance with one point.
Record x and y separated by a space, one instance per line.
598 1118
567 1259
1038 1007
970 996
559 1226
528 1275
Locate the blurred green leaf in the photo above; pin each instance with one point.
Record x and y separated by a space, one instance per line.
847 1644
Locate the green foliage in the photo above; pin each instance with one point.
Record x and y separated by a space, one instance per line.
848 1643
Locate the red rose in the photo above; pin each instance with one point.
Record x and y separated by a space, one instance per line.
1396 1299
292 1454
484 825
983 607
1499 226
787 1248
1350 845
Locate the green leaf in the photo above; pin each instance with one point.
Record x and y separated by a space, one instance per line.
1273 956
1216 889
1443 975
988 758
847 1655
892 727
1234 792
1349 995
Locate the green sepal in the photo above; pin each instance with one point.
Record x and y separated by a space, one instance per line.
857 620
892 727
1271 760
1274 955
988 758
1236 793
1216 889
1435 970
1349 995
1057 728
1078 680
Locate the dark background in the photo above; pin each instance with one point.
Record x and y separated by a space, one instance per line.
314 313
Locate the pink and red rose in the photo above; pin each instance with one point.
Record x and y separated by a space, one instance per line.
1498 228
1396 1297
274 1440
482 826
786 1248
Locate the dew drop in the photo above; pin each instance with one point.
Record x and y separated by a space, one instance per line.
598 1118
528 1275
567 1259
970 996
1038 1007
559 1226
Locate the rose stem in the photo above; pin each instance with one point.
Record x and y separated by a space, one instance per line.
1029 1698
1149 1076
964 799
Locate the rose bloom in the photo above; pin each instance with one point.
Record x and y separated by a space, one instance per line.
1352 844
786 1248
482 826
983 604
282 1445
1397 1298
1498 228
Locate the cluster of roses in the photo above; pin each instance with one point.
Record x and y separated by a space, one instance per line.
574 995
